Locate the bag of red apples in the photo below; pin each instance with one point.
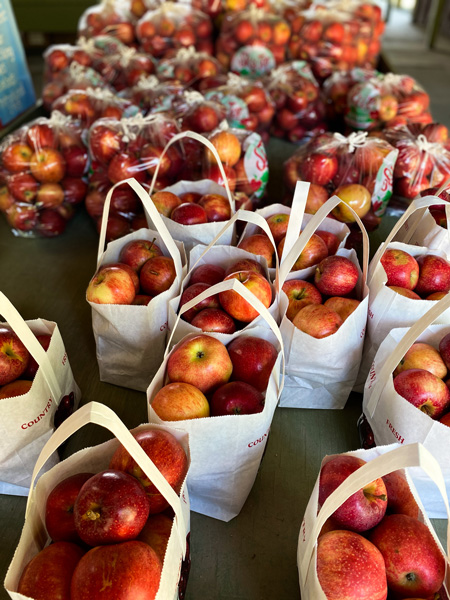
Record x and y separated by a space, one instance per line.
299 109
423 160
429 226
194 212
136 276
357 168
171 26
37 392
404 281
406 397
252 41
137 480
330 37
189 67
109 17
387 101
365 533
42 165
152 95
209 268
224 394
324 314
247 102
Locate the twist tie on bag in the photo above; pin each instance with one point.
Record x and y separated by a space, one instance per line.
186 54
147 82
234 81
133 125
256 14
193 97
353 141
392 80
126 55
76 70
280 75
433 148
171 8
60 120
87 44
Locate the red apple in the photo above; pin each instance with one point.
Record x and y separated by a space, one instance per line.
228 147
414 563
444 349
300 293
445 420
191 292
331 240
253 360
278 225
239 308
123 166
434 274
202 361
50 195
348 564
400 498
217 208
318 168
365 508
75 190
179 402
156 533
116 227
165 202
48 165
342 306
131 272
207 273
18 387
404 292
6 199
111 285
336 276
214 320
424 391
14 356
314 251
16 157
23 217
189 214
23 187
157 275
111 507
260 245
59 518
137 252
236 398
422 356
317 320
41 136
76 159
49 573
105 143
401 268
132 567
245 264
167 454
141 300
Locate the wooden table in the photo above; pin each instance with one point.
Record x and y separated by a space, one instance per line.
253 557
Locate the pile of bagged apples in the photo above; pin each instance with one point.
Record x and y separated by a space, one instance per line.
115 517
426 278
205 378
376 539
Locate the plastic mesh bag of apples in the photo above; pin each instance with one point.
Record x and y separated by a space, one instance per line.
299 110
357 168
247 102
42 175
86 106
387 101
365 531
252 41
331 38
37 392
171 26
128 507
189 67
423 160
109 17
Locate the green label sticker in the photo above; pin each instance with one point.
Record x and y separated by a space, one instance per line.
237 109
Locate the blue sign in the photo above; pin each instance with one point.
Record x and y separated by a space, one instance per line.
16 86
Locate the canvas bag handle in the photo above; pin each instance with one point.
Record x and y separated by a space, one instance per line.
100 414
402 347
413 227
411 455
249 217
237 286
415 205
151 211
296 216
200 138
308 231
28 339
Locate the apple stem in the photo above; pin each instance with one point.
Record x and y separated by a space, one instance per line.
427 410
92 515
